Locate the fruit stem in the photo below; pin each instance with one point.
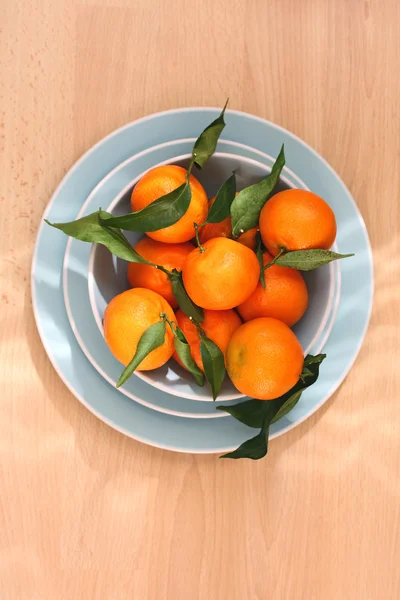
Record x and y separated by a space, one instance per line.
267 266
196 228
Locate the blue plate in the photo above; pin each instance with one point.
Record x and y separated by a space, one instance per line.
90 338
135 420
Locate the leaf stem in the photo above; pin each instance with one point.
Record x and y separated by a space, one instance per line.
200 330
160 268
191 164
172 324
163 269
281 251
259 254
196 228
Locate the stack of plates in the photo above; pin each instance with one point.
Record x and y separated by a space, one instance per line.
62 289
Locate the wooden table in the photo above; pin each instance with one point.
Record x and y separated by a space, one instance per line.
90 514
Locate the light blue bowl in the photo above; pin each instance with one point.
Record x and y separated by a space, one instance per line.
76 292
107 276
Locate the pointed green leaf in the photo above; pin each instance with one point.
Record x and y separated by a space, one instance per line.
254 413
314 359
163 212
305 373
206 143
213 363
310 371
151 339
307 260
89 229
259 254
246 207
185 303
255 448
183 350
220 208
287 406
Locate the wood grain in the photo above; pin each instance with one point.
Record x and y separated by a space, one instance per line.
87 513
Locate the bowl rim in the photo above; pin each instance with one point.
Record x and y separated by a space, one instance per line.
334 282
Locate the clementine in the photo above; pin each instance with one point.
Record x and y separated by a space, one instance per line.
213 230
127 317
264 359
221 274
160 181
297 220
169 256
224 229
285 296
218 325
248 238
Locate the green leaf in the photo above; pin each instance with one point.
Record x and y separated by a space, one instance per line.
89 229
183 350
311 363
307 260
255 448
247 205
259 254
254 413
287 406
220 208
151 339
313 359
163 212
261 413
206 143
181 296
305 373
213 363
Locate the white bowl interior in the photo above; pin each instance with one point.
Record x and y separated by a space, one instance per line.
108 275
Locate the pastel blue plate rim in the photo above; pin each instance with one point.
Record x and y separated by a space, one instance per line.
76 292
165 431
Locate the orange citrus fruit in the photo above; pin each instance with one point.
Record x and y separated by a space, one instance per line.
264 358
170 256
213 230
221 274
127 317
285 296
160 181
297 220
218 325
224 229
248 238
